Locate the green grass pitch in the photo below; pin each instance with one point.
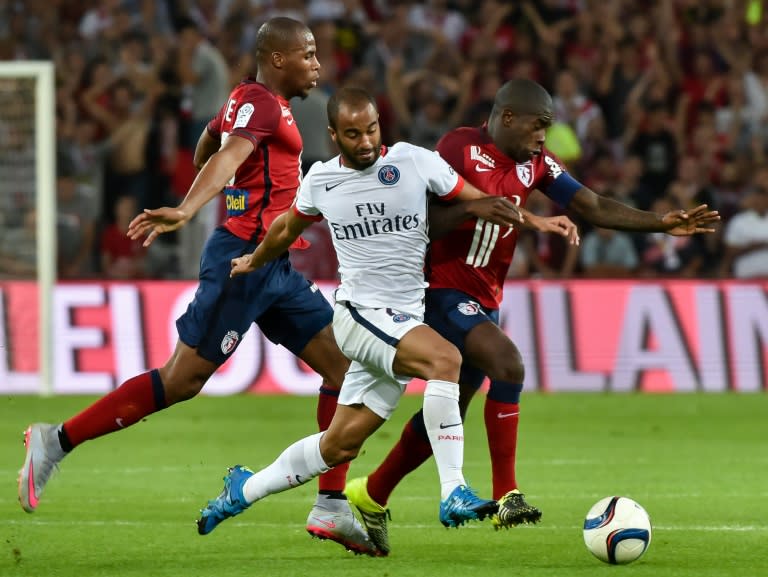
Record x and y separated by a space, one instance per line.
126 505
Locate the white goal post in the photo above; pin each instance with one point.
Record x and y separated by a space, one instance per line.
42 73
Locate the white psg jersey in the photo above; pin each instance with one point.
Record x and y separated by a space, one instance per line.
378 222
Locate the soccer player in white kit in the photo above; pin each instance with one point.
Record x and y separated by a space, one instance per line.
375 201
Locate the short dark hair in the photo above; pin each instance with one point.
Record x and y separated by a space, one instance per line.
350 96
523 96
276 34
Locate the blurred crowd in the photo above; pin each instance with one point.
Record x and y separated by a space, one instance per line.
661 104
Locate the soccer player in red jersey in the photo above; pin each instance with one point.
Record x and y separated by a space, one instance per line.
468 263
251 150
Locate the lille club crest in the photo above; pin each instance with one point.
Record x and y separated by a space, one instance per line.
229 342
525 174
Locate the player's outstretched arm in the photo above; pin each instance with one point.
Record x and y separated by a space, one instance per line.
608 213
219 170
560 225
285 229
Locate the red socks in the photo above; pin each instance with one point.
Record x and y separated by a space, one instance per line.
130 402
501 420
335 479
408 454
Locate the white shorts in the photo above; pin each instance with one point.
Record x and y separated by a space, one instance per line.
369 337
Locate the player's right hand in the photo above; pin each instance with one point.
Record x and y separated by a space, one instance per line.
242 265
497 210
154 222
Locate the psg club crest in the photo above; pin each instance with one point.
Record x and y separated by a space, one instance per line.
469 308
398 317
388 175
525 174
229 342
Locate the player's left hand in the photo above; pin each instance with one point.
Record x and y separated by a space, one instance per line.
560 225
688 222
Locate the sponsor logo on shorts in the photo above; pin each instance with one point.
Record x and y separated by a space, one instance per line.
229 342
469 308
388 174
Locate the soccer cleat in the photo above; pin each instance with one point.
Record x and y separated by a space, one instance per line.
43 456
464 505
374 515
342 527
513 510
229 503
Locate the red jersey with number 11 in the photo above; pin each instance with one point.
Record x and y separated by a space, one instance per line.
476 256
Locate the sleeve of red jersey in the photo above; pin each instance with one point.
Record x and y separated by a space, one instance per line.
257 118
214 125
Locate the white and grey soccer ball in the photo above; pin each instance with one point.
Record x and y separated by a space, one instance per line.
617 530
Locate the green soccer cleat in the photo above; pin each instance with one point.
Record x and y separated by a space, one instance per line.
513 510
374 515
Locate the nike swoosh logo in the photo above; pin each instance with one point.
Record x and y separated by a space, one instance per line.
505 415
119 422
332 186
479 168
289 121
449 426
329 524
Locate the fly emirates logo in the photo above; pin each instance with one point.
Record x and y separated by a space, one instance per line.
371 219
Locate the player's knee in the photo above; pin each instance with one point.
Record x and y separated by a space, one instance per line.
508 368
182 389
444 363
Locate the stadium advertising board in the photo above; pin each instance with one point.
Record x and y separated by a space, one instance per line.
672 336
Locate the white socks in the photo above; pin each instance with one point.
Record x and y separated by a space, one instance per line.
295 466
446 433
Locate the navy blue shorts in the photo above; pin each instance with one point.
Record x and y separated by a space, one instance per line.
453 314
289 309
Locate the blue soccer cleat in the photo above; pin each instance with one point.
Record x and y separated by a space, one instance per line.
463 505
229 503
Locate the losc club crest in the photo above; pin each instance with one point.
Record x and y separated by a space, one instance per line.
229 342
525 174
388 174
469 308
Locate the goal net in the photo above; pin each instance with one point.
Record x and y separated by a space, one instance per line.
27 225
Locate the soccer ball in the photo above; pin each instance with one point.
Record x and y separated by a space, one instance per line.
617 530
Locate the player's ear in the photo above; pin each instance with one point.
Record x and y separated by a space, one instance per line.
277 59
332 132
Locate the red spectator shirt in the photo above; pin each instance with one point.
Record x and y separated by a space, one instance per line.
266 183
475 257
